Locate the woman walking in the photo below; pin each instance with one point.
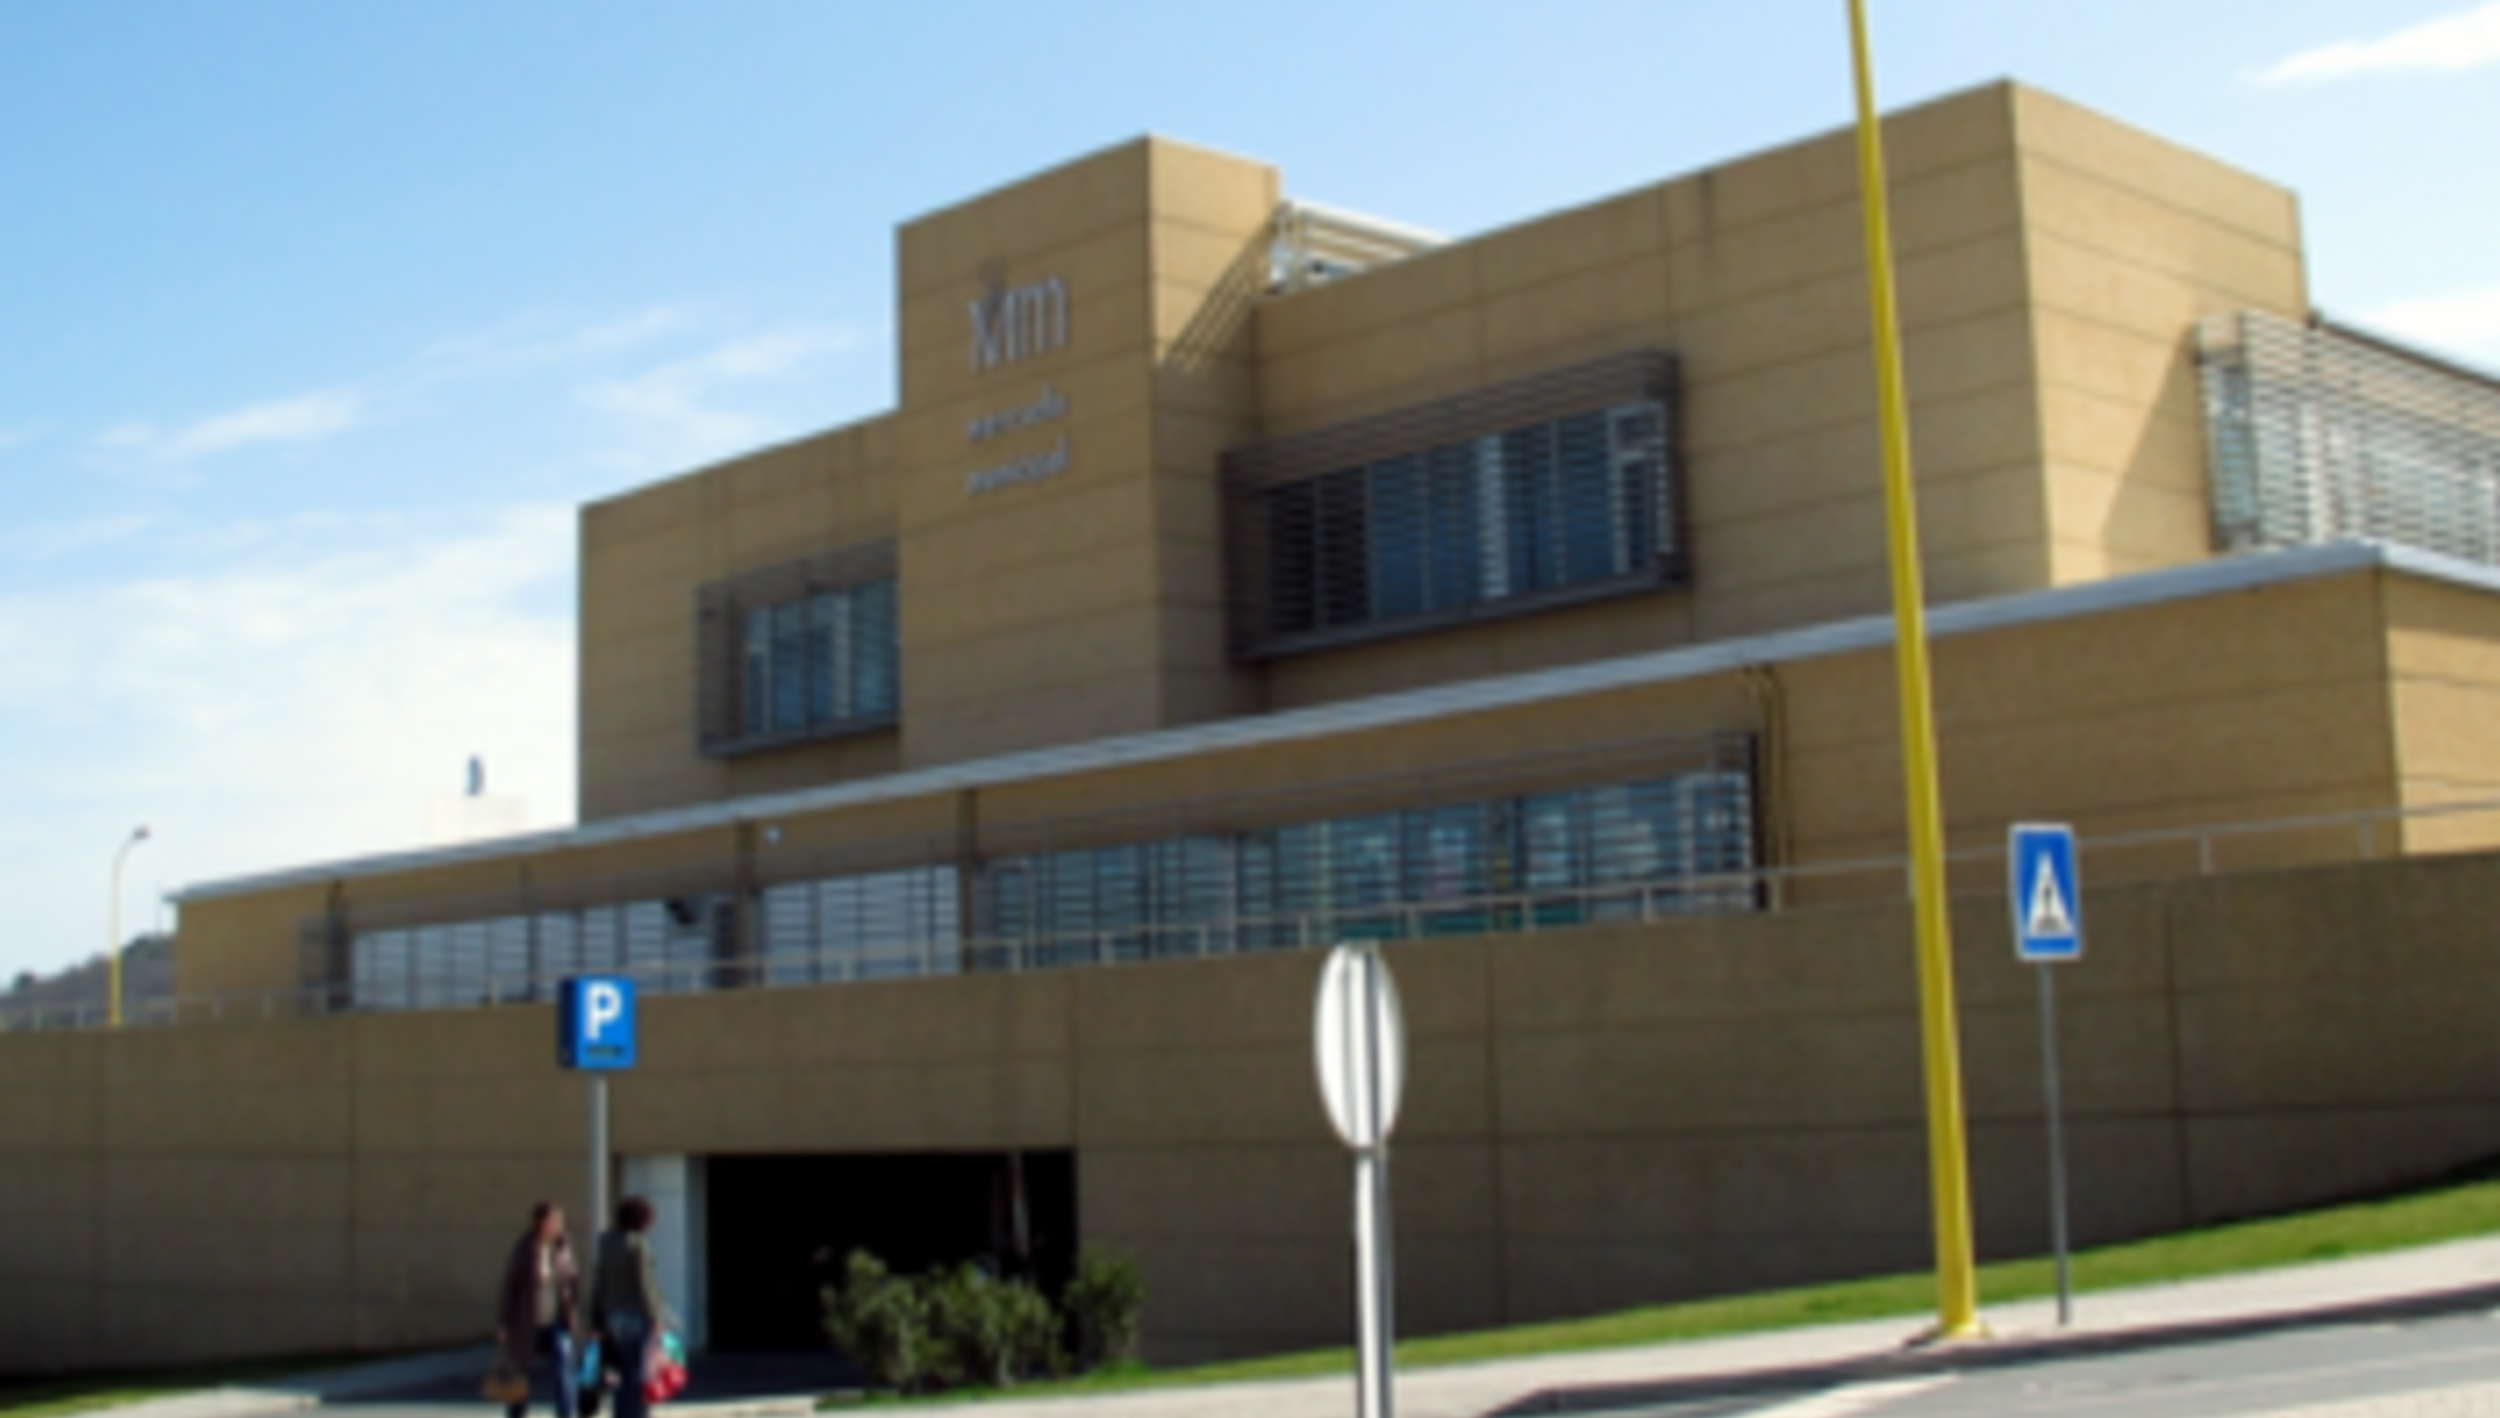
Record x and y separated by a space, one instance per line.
626 1305
539 1311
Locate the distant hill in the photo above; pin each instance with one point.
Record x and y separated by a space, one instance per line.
79 992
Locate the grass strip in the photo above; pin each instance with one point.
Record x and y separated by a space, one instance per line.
2456 1209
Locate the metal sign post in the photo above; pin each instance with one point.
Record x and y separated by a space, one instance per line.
596 1034
598 1154
2048 932
1359 1039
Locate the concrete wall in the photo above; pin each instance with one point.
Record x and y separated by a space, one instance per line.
2444 689
2128 240
1598 1117
643 557
2052 265
1753 273
1085 603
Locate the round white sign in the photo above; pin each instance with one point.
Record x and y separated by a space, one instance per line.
1359 1040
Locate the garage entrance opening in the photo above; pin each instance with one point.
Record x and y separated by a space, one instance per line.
780 1228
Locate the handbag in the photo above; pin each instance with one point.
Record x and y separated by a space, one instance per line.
506 1382
664 1371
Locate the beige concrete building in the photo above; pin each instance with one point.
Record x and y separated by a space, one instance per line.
1236 575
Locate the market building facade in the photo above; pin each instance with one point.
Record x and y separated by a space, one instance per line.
970 786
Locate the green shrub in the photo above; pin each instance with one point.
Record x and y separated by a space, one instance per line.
881 1321
987 1332
1104 1302
954 1328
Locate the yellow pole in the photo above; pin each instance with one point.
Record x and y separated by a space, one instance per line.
1948 1161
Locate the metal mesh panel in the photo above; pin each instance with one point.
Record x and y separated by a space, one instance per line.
2316 433
675 945
880 925
794 653
1551 490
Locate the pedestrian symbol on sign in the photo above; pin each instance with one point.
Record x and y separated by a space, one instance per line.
2048 914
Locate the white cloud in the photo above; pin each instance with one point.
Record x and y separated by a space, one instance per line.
52 541
304 418
2462 320
531 342
671 397
680 401
2451 44
300 703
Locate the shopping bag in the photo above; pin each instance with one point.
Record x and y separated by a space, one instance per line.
506 1382
590 1379
665 1374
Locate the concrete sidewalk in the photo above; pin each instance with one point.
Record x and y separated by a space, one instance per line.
2458 1275
448 1380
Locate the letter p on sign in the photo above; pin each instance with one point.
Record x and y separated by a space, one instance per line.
607 1005
595 1023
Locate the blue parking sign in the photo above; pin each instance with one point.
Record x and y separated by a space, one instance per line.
595 1023
2048 893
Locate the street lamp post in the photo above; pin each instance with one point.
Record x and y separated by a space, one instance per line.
113 951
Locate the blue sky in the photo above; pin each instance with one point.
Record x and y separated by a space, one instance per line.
317 320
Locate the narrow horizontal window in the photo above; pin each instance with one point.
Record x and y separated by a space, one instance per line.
1677 842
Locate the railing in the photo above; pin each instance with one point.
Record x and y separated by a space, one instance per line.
2109 859
1314 245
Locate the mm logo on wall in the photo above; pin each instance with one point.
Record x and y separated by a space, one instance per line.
1010 323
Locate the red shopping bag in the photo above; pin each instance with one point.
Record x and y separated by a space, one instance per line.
665 1371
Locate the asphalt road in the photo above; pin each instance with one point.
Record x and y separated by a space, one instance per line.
2442 1367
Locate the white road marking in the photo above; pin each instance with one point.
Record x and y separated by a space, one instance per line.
1856 1398
2131 1394
2463 1401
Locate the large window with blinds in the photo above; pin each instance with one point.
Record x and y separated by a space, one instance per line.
800 652
1544 492
2316 432
820 661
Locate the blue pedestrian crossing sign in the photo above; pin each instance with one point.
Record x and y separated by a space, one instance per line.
2048 896
595 1023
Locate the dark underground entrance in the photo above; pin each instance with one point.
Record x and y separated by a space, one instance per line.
778 1230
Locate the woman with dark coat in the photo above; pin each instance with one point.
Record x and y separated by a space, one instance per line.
539 1310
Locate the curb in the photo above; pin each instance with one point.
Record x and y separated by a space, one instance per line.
307 1391
1963 1355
